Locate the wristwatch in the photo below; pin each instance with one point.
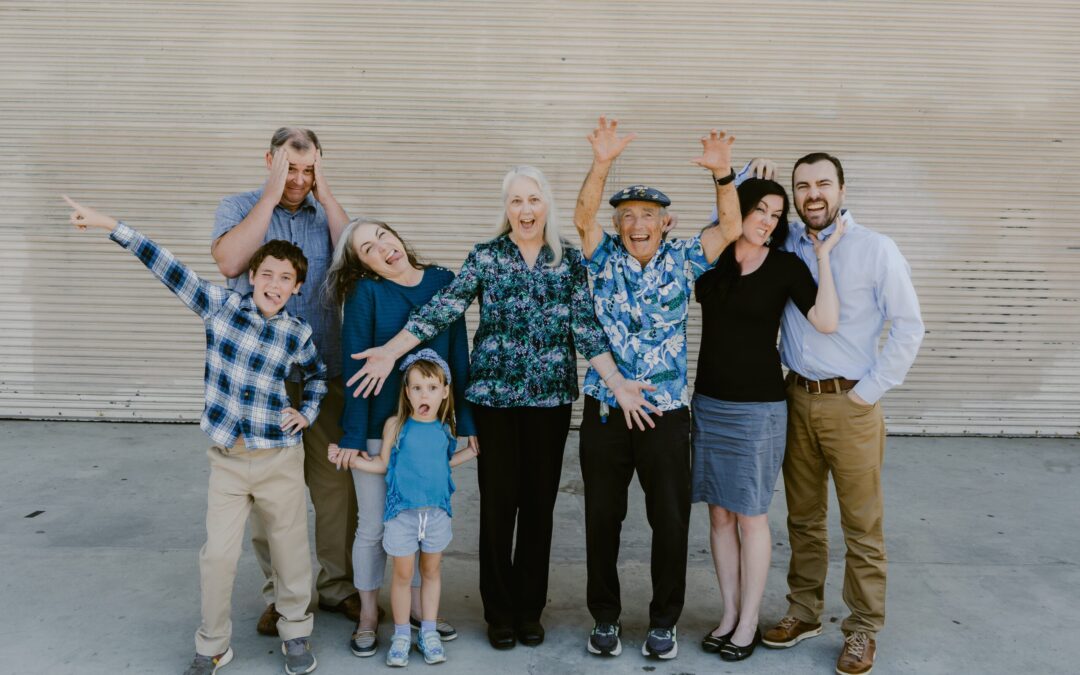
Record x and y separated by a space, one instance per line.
726 179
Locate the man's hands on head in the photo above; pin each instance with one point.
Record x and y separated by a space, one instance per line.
279 173
321 188
763 168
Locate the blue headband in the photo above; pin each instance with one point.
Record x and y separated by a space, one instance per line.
429 355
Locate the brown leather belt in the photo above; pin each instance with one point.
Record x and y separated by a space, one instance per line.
833 385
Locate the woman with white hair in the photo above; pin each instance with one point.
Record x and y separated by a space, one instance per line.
535 311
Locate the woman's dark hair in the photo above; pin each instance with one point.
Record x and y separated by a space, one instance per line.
727 272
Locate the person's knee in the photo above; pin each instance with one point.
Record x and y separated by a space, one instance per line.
369 534
720 518
219 554
753 524
429 566
403 570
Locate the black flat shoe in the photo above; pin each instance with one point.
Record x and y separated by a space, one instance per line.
530 633
712 643
733 652
501 637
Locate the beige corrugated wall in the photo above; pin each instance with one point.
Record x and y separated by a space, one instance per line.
957 123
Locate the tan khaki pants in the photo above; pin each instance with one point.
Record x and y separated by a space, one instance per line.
270 484
830 433
333 497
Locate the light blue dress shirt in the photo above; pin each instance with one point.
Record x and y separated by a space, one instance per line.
873 281
308 228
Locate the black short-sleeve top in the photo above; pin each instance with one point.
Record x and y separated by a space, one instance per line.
738 359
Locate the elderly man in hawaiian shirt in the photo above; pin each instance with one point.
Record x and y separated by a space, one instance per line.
641 290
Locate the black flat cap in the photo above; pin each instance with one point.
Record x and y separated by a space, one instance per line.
639 193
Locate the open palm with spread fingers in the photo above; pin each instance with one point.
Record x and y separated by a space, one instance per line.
84 216
630 394
716 152
605 140
378 362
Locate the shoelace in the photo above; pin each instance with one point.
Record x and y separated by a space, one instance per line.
857 643
787 622
605 629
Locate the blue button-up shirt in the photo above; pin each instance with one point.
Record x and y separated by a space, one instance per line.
309 229
873 281
644 312
247 356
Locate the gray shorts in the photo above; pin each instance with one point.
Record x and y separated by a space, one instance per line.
427 530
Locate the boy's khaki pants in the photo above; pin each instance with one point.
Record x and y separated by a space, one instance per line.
332 495
270 482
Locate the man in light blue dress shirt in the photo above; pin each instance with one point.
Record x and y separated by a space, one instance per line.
835 422
296 204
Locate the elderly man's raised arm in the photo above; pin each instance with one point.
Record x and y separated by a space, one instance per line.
606 146
716 157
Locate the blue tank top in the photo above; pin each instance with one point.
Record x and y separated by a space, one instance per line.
418 473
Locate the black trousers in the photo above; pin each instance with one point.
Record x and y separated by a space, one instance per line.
610 454
519 466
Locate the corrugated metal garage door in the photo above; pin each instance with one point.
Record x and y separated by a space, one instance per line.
957 122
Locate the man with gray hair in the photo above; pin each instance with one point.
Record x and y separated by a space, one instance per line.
641 289
296 204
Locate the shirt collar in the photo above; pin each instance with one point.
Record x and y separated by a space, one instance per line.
510 248
827 232
308 203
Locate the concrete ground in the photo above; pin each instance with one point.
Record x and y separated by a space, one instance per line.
102 523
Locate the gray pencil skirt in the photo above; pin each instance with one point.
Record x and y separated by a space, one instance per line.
738 449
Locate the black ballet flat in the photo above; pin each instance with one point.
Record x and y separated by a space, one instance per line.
712 643
733 652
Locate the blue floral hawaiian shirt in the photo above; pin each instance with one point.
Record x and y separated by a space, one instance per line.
644 312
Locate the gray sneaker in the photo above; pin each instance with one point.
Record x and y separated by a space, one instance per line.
604 639
661 643
430 645
298 656
208 665
398 654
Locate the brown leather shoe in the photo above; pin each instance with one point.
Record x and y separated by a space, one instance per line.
268 621
857 657
789 632
350 607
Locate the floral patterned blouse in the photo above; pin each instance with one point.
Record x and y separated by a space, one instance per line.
643 312
531 318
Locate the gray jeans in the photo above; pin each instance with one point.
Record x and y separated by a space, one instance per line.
368 555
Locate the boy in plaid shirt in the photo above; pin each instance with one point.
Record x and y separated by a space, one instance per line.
257 460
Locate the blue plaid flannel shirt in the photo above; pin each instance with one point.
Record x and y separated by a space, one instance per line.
248 357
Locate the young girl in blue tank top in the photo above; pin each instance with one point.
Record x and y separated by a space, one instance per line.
417 455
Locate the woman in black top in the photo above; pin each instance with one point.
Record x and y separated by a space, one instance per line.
739 411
